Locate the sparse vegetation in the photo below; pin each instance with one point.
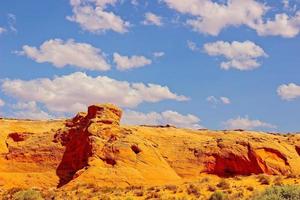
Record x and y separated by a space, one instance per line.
193 190
153 195
172 188
287 192
139 193
278 181
218 195
29 194
250 188
211 188
264 179
204 180
227 188
223 184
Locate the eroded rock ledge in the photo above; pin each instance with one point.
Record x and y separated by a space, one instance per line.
94 148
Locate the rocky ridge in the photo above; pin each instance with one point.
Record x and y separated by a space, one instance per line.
94 148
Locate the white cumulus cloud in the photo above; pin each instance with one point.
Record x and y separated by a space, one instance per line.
283 25
61 54
125 63
289 92
92 16
240 55
72 93
211 17
167 117
152 19
217 100
247 124
29 110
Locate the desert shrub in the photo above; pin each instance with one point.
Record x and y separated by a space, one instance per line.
151 188
175 198
264 180
9 193
291 176
172 188
193 190
278 181
90 185
29 194
104 197
218 195
238 195
287 192
250 188
139 193
107 190
49 194
153 195
223 184
204 180
229 191
237 178
134 187
211 188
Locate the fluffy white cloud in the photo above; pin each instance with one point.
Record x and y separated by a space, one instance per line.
211 17
217 100
240 55
2 30
61 54
92 15
247 124
2 103
283 25
152 19
126 63
72 93
158 54
289 92
29 110
168 117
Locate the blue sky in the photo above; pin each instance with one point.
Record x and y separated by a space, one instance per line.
178 46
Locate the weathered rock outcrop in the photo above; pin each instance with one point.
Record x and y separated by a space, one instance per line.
94 148
79 137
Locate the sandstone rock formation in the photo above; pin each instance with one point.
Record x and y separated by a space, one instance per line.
94 148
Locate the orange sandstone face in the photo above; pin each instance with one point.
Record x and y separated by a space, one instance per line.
105 113
93 148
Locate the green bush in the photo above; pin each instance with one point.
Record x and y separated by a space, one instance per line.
287 192
29 194
218 195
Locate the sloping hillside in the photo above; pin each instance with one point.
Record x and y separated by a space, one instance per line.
93 148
